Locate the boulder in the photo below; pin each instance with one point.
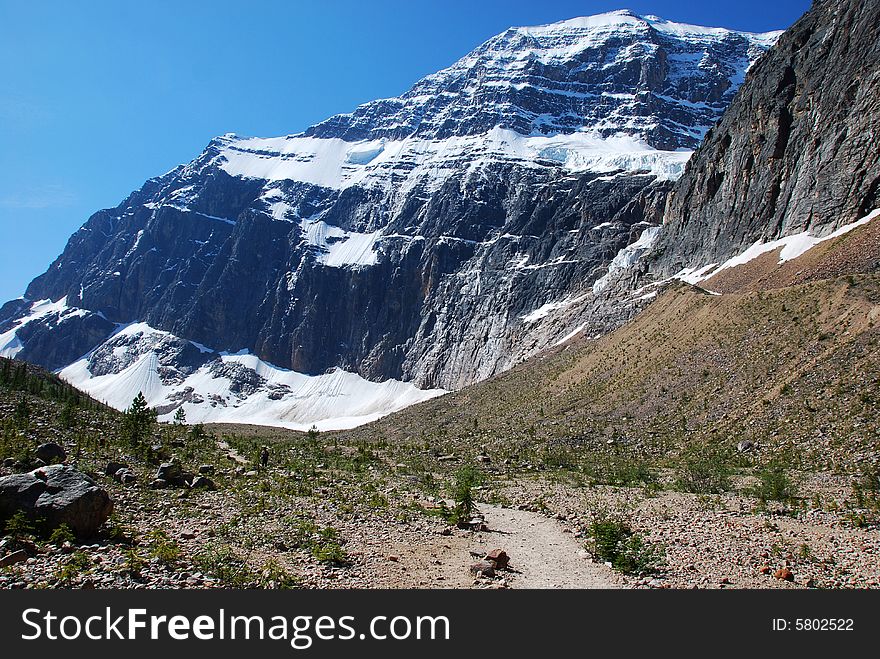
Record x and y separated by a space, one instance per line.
113 467
56 495
173 474
13 558
203 482
206 470
50 453
158 484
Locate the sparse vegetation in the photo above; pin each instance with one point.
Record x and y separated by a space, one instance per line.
613 541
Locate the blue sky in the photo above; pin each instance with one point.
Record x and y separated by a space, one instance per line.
98 96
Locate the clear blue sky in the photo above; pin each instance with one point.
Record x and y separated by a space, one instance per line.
97 96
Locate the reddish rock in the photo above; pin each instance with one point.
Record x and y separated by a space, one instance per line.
784 574
499 558
764 569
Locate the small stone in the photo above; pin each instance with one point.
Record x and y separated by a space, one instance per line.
764 569
203 482
499 558
784 574
483 569
206 470
393 558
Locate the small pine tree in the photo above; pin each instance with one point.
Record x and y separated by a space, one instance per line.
180 416
138 421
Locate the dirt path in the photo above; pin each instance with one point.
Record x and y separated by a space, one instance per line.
542 555
234 455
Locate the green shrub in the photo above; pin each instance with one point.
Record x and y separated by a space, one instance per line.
162 547
774 483
613 541
226 566
704 470
61 535
77 564
465 480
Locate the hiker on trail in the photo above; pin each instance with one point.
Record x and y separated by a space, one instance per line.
264 457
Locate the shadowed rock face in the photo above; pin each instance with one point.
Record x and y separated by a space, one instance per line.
796 150
253 244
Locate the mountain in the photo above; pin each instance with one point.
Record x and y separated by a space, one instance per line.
795 154
416 245
763 332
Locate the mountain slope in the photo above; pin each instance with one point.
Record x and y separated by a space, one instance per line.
787 359
437 238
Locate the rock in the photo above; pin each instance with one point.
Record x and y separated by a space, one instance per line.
784 574
499 558
188 535
203 482
50 453
13 558
484 459
127 477
158 484
251 474
483 569
169 472
9 463
447 458
113 467
57 494
206 470
745 446
393 558
764 569
173 474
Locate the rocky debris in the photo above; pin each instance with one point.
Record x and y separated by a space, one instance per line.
56 495
206 470
745 446
9 463
158 484
50 453
202 482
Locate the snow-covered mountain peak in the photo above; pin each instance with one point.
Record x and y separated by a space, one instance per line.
657 80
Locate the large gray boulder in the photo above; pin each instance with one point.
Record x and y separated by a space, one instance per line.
56 495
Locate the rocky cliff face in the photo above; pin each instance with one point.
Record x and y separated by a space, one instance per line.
796 151
436 238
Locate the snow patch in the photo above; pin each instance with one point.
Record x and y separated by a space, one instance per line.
333 401
791 247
